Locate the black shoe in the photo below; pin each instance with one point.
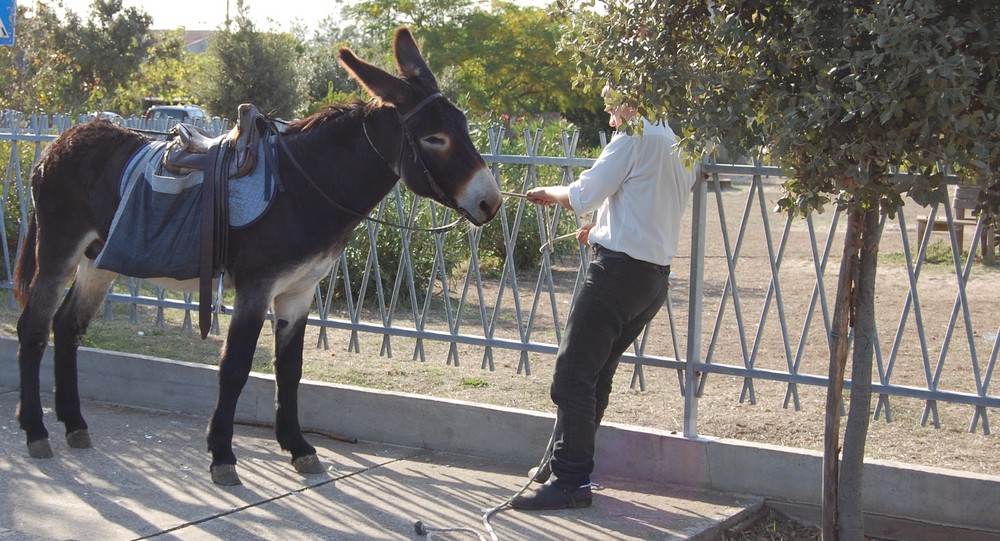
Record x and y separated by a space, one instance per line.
540 474
551 496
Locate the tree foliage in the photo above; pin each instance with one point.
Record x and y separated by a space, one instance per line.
839 93
377 19
326 81
106 51
75 65
499 59
169 73
33 73
103 52
254 67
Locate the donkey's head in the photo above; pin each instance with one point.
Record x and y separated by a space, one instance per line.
436 157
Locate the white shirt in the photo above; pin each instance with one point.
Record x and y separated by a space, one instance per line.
640 189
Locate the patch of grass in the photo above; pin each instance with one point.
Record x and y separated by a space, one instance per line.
938 253
478 383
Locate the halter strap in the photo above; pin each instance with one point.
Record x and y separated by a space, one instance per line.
364 128
404 118
406 138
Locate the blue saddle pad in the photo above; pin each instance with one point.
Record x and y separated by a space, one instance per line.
156 230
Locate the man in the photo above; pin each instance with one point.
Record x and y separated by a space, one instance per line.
639 189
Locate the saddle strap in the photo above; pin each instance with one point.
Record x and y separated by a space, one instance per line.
207 251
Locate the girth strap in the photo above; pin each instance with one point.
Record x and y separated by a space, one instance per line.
214 230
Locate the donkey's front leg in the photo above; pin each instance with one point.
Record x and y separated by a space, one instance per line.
234 369
290 312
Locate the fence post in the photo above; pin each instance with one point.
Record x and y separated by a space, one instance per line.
696 290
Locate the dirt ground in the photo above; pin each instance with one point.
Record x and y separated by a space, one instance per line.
730 407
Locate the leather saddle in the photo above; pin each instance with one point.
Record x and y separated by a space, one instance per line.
189 150
229 156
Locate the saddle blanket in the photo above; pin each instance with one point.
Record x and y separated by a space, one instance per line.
156 231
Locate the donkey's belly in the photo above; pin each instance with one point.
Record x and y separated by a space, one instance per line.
304 275
187 286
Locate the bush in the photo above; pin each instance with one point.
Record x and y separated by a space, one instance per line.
389 250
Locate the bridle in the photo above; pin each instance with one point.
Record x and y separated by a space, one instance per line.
405 137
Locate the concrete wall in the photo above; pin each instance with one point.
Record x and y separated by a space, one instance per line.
898 491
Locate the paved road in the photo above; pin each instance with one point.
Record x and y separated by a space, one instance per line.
147 478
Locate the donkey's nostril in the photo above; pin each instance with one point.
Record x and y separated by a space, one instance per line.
490 208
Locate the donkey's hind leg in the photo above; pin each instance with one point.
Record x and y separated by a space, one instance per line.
56 266
70 324
33 337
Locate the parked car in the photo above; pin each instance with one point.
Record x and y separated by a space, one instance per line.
180 113
108 115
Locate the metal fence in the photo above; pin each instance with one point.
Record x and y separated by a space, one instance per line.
749 300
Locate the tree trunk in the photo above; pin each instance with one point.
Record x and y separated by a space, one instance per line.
851 497
842 315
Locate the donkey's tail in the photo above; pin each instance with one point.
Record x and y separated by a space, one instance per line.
24 267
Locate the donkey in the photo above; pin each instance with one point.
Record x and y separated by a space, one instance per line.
333 167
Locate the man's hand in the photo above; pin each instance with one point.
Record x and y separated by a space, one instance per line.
549 195
539 196
583 234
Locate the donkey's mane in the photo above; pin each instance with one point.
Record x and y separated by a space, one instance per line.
338 112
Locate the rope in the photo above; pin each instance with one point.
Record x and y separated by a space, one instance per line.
547 246
422 529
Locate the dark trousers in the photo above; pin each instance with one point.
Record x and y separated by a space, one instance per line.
620 296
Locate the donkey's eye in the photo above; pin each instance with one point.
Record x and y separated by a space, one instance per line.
435 141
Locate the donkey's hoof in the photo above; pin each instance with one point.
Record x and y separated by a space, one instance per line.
79 439
225 475
40 448
308 464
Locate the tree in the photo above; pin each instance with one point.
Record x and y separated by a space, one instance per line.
501 59
254 67
169 72
106 51
32 70
325 80
74 66
378 19
840 94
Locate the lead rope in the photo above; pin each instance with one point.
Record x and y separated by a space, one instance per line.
547 246
422 529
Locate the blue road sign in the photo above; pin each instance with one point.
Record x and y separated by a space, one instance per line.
8 8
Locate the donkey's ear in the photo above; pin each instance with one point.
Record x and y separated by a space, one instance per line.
376 81
409 60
